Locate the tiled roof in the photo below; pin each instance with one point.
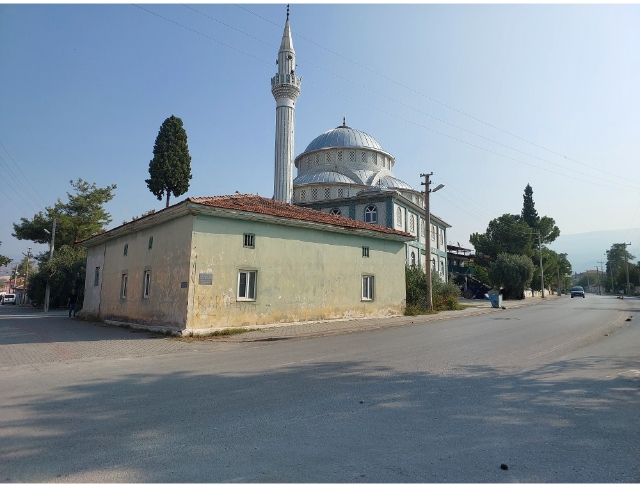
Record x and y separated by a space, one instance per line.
258 204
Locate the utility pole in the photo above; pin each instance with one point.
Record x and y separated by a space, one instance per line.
541 269
610 273
604 271
626 263
598 277
26 277
51 246
427 234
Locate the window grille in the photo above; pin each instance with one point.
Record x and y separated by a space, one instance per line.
371 214
365 251
327 193
340 192
367 288
317 159
247 285
303 195
314 194
352 156
412 224
399 218
335 211
147 284
328 157
339 156
363 156
123 286
249 240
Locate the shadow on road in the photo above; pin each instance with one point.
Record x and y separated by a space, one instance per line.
332 422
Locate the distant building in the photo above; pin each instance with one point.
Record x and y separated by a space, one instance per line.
242 260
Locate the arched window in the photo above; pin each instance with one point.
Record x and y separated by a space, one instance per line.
335 211
413 258
399 218
371 214
412 224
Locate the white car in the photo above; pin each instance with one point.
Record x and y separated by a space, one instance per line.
9 299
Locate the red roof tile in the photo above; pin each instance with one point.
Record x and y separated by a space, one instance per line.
257 204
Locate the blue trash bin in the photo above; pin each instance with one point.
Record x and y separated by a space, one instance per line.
495 300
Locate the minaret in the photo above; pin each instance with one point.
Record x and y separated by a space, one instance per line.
285 87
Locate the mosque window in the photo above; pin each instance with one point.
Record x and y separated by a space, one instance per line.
335 211
413 259
317 159
303 195
327 193
328 156
340 192
399 218
367 288
433 233
308 161
421 227
314 194
412 224
352 156
249 240
363 156
247 285
339 156
371 214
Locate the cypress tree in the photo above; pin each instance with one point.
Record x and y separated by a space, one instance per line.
170 168
529 213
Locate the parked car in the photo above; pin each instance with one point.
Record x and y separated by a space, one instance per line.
9 299
577 291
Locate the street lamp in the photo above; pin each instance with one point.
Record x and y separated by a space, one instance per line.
427 234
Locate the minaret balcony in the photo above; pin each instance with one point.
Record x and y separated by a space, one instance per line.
291 79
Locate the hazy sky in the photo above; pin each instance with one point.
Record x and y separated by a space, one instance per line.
488 97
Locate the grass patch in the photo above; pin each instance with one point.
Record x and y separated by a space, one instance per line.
217 334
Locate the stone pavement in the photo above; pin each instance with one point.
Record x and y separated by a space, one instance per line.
285 331
29 337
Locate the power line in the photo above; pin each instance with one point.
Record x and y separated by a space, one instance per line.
406 105
24 175
8 171
10 199
432 99
386 112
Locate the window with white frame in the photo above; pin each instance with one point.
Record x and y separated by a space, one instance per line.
146 284
123 286
367 288
399 218
433 233
413 258
422 230
412 223
247 285
371 214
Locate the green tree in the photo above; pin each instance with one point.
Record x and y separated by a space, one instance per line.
512 272
529 213
80 217
170 168
506 234
66 271
617 259
4 260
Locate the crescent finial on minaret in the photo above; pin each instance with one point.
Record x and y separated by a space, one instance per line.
287 11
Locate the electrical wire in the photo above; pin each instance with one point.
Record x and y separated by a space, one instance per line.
433 99
24 175
10 173
336 75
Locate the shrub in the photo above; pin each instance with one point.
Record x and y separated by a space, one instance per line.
513 272
444 294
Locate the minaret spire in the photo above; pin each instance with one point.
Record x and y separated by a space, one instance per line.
285 87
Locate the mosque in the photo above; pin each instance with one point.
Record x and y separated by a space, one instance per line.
347 172
331 243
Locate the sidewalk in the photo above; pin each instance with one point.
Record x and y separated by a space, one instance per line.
288 331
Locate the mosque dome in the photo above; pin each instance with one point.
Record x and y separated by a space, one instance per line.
344 136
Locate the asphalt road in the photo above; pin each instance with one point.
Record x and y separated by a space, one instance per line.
542 389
